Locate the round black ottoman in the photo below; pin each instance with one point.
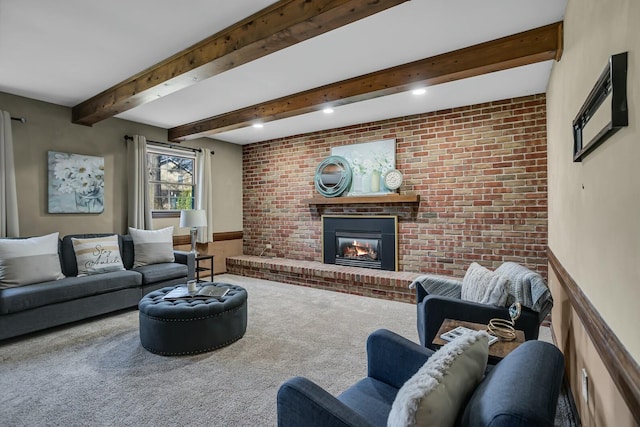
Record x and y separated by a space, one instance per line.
191 326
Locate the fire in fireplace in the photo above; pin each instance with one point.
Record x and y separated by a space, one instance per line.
366 249
357 250
360 241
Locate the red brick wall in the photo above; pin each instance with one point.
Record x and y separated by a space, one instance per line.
481 172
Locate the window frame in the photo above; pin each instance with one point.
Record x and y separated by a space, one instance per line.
172 152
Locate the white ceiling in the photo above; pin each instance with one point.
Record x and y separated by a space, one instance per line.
67 51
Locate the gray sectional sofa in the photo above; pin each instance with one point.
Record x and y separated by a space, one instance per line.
33 307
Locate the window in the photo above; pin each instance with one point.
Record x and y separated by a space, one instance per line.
171 180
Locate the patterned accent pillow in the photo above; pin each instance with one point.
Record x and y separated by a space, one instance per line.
28 261
484 286
433 396
152 246
97 255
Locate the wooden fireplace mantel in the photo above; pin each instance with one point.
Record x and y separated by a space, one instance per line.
357 200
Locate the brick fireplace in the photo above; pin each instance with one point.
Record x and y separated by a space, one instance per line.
480 172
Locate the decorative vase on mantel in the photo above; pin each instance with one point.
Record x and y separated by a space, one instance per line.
375 181
366 183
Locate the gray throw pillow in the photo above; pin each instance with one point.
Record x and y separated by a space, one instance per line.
484 286
152 246
28 261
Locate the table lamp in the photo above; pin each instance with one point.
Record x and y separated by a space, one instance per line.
193 218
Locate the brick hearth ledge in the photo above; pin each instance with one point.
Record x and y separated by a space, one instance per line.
392 285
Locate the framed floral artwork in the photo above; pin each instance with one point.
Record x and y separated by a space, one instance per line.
76 183
369 162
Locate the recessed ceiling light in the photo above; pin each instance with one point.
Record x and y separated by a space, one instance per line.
420 91
258 125
328 110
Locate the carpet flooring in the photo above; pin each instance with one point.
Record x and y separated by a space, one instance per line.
96 373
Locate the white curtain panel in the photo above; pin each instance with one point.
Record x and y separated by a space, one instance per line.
204 193
9 226
139 214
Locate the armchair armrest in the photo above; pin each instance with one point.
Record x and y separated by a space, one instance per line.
188 259
392 358
301 402
433 309
437 285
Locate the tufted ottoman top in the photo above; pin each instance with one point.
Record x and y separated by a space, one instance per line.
154 306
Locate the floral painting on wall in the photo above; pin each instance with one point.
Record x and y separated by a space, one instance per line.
76 183
369 162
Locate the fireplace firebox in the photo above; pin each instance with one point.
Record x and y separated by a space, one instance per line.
360 241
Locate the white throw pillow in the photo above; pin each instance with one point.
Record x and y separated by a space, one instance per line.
28 261
484 286
97 255
433 396
152 246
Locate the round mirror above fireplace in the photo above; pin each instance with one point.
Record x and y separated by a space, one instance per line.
333 176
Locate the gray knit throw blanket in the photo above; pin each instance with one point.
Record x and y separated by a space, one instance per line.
527 287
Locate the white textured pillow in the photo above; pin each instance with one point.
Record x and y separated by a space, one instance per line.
484 286
152 246
97 255
27 261
433 396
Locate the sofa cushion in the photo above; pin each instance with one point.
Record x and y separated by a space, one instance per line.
97 255
162 272
27 297
28 261
484 286
434 395
152 246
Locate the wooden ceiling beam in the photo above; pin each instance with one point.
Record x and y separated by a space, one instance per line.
276 27
528 47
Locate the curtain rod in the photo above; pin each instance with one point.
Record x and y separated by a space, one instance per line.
167 144
19 119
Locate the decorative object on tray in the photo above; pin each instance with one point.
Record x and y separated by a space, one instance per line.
333 176
369 161
76 183
204 292
504 329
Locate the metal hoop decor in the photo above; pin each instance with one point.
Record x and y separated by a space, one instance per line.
333 176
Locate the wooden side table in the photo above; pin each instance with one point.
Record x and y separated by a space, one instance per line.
199 268
497 350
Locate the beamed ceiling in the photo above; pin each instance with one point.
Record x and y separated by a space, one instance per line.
278 64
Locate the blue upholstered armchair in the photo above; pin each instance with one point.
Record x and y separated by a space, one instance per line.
521 390
439 298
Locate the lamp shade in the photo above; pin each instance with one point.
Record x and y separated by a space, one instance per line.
193 218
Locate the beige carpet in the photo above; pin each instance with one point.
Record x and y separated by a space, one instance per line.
96 372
